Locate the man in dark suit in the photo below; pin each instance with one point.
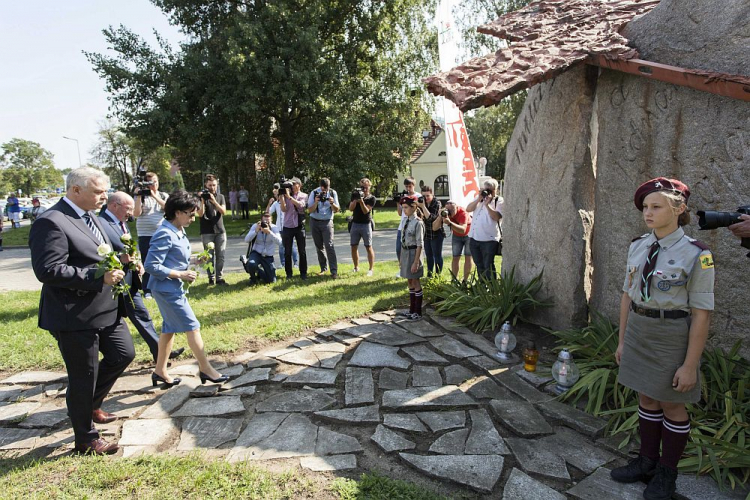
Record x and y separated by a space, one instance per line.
78 308
114 219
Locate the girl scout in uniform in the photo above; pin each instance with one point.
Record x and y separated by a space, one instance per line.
412 237
664 318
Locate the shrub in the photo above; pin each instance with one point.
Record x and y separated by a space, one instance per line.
484 304
720 431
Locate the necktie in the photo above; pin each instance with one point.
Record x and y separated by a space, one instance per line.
648 271
124 228
93 228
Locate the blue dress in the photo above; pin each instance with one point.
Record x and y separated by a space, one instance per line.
170 250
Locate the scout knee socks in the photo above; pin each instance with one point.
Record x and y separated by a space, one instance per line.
418 302
674 438
412 300
650 426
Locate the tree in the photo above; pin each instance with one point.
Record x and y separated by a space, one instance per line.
26 165
121 157
314 87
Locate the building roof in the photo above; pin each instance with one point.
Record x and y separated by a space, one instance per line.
546 38
427 141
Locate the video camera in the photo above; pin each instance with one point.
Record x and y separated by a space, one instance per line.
284 185
142 186
357 194
708 220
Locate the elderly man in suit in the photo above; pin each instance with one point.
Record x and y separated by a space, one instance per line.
114 219
77 307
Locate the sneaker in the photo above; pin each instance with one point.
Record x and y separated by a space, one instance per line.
147 295
663 485
210 281
369 273
398 274
638 469
414 317
221 282
404 313
356 269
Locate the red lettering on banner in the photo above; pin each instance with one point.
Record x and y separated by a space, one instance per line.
458 133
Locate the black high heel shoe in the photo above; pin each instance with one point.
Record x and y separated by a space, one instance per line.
156 379
218 380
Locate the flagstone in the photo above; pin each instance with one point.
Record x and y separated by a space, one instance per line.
520 485
487 365
245 390
211 407
485 388
600 486
449 324
573 418
422 329
315 376
359 387
443 420
204 391
511 382
251 377
296 401
479 343
167 403
457 374
199 432
520 417
449 396
233 371
16 411
384 333
390 441
153 432
327 464
10 393
479 472
335 443
47 415
294 437
356 415
538 459
302 343
306 358
450 443
426 376
576 450
453 348
392 379
421 354
362 321
260 361
259 428
133 383
371 355
380 317
484 438
19 439
127 405
35 377
404 422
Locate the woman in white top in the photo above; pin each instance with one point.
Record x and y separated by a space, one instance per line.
484 238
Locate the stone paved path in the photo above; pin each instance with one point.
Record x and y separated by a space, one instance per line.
428 397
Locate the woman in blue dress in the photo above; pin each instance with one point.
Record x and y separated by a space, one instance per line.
168 264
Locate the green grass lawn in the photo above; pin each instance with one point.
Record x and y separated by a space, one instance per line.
166 477
385 218
232 317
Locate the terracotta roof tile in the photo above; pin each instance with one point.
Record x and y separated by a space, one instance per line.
547 37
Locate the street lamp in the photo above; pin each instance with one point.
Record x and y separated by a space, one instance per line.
77 147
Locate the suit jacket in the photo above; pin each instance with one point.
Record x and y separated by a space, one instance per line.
64 259
114 232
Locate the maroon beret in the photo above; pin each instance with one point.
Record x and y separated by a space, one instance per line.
410 199
659 184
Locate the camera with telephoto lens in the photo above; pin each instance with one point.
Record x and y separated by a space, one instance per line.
708 219
285 185
206 194
485 193
397 197
357 194
444 213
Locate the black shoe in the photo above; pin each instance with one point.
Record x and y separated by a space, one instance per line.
219 380
210 281
221 282
156 379
638 469
663 485
303 277
176 353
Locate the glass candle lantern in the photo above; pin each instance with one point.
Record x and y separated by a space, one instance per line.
565 371
530 357
505 342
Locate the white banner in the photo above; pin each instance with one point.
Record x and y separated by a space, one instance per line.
462 173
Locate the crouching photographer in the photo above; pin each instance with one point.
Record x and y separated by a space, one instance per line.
737 222
265 239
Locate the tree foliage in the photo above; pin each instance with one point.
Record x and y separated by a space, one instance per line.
26 165
316 87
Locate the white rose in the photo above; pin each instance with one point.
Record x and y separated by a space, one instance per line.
125 238
210 245
103 250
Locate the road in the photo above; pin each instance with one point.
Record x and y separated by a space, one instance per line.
16 272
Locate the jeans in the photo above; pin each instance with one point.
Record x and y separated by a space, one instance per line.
295 255
143 243
217 254
261 268
483 254
322 233
433 250
288 236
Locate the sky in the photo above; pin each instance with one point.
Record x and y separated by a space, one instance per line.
47 86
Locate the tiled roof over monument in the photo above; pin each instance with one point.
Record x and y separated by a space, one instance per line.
546 37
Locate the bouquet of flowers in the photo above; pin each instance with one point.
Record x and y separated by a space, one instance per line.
110 262
202 260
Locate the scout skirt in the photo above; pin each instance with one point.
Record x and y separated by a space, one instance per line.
407 259
654 349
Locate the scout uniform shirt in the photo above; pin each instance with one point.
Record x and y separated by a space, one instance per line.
413 233
683 277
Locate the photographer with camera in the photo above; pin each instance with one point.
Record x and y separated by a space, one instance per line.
211 213
322 203
265 238
293 203
361 205
459 222
737 222
148 212
274 207
429 206
408 191
484 238
741 229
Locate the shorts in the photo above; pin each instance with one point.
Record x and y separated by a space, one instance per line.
361 231
458 243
